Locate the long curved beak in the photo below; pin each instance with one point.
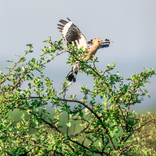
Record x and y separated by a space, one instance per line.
107 41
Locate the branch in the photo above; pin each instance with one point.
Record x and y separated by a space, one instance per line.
74 135
13 68
32 141
85 64
137 129
85 147
125 148
107 132
52 58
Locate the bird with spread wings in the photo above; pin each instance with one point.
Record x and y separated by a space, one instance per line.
71 34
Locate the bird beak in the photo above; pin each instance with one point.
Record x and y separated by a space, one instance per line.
107 41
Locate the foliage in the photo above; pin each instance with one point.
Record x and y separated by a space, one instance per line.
105 128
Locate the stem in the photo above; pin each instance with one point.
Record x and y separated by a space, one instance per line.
137 129
106 130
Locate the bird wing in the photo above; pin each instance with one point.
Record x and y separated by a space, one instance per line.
71 33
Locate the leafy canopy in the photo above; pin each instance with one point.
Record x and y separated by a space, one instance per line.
105 128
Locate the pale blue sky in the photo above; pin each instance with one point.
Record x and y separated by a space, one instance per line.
130 24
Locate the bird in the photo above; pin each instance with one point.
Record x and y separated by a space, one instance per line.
72 35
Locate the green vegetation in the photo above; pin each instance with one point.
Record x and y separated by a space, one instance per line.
90 128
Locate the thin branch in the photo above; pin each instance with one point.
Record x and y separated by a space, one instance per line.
107 132
89 146
13 67
84 138
129 108
121 112
85 147
85 64
74 135
32 141
52 58
127 147
137 129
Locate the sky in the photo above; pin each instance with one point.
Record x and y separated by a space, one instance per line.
130 24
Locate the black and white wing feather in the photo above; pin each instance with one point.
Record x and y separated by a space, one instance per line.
72 34
73 72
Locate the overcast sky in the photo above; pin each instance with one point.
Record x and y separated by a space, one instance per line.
130 24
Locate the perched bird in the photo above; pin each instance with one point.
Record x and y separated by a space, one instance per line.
72 35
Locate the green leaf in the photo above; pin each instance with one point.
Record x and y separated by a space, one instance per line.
29 45
68 124
8 67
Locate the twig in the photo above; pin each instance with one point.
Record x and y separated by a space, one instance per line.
107 132
13 68
137 129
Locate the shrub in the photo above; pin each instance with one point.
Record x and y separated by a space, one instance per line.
90 128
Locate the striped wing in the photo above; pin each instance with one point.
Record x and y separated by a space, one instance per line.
71 33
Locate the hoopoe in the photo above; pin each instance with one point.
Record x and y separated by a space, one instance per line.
71 34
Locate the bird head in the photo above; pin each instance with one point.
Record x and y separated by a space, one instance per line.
100 43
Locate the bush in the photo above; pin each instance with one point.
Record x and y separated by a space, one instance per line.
90 128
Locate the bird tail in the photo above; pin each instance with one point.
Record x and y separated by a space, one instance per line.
73 72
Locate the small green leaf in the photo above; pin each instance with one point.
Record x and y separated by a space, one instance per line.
68 124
